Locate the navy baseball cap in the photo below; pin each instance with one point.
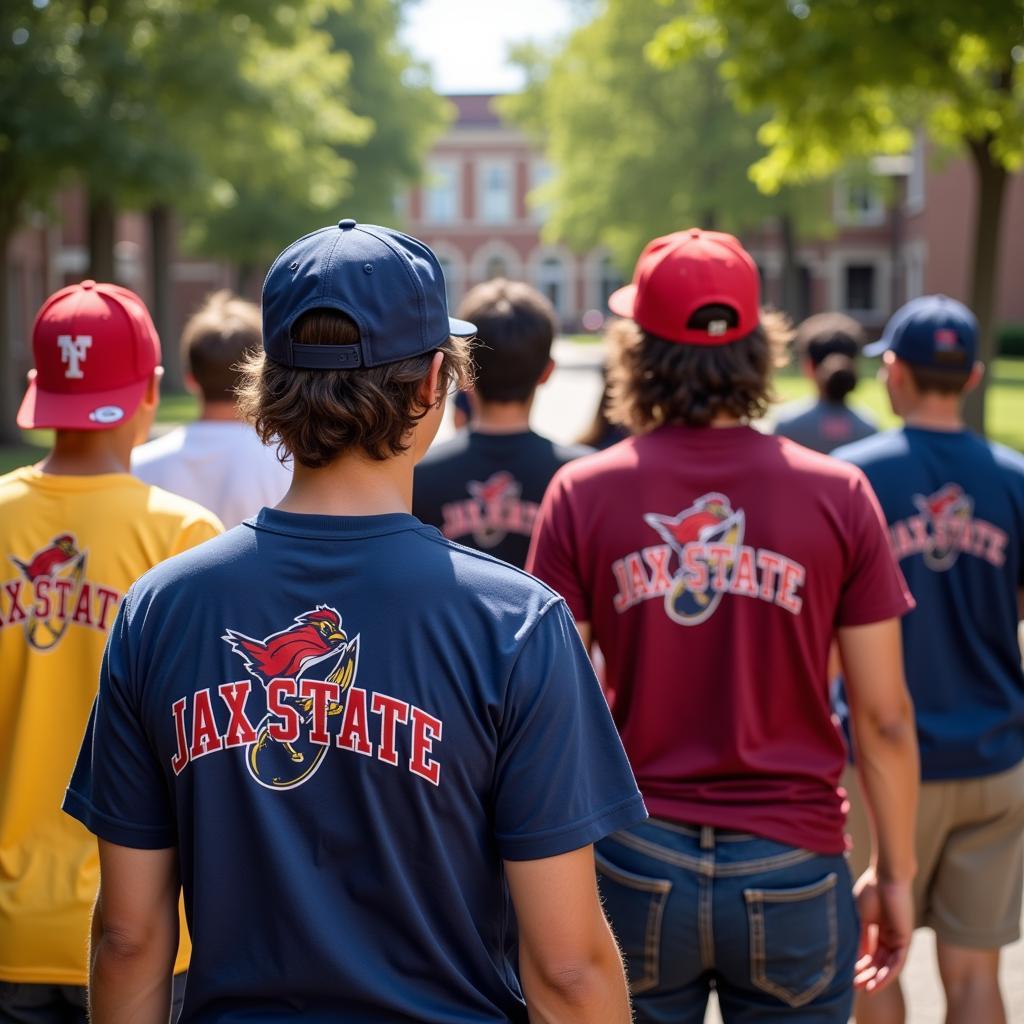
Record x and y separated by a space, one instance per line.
390 284
934 331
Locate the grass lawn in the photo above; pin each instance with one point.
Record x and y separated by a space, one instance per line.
1005 411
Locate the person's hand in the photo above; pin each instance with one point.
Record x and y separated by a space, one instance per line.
887 924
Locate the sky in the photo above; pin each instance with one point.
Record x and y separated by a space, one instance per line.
465 41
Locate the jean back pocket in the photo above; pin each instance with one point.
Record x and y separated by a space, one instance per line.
794 935
635 906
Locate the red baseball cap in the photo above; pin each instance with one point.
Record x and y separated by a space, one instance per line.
95 349
678 274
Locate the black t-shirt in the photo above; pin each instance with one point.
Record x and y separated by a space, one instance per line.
484 490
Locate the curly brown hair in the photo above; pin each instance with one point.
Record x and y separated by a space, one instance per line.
318 415
653 381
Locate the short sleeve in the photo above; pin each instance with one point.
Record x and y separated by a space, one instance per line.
118 790
553 556
562 780
874 588
196 530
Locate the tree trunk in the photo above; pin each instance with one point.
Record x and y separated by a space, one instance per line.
11 379
991 178
102 229
162 306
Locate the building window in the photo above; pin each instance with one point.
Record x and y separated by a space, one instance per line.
541 172
442 192
495 192
551 281
859 204
860 288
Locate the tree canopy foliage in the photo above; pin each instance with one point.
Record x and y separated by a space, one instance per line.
256 120
847 78
640 150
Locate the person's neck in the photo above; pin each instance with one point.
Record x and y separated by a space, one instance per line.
723 419
352 485
219 412
89 452
935 412
501 417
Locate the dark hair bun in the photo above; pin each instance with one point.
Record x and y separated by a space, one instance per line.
836 376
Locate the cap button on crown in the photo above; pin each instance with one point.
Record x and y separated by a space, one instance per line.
89 284
347 224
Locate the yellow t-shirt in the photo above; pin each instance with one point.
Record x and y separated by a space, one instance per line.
70 546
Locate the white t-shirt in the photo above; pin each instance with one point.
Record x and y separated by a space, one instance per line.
219 464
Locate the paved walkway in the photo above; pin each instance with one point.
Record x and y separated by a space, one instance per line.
563 410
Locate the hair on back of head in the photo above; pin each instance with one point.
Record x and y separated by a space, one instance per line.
515 325
831 342
318 415
653 381
216 339
941 382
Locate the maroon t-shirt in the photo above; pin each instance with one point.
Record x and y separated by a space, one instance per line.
714 566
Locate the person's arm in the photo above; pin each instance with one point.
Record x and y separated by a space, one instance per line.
885 739
134 936
585 633
570 966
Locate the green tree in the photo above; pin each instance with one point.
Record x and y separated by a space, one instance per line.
846 79
639 150
355 168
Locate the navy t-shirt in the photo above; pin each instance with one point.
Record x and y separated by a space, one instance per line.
484 490
345 725
955 508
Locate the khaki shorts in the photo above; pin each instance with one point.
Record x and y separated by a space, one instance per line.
970 856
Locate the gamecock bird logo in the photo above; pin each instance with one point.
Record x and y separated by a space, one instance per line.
710 520
315 639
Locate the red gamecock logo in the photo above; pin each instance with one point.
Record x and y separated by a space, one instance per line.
306 703
276 758
702 560
50 593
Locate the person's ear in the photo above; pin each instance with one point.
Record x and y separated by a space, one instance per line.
546 372
191 384
430 392
152 396
976 377
807 367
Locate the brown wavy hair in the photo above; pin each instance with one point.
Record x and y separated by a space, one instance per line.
653 381
315 416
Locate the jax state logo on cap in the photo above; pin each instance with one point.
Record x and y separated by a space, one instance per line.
95 351
307 702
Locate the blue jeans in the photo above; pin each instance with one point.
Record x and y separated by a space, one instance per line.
771 927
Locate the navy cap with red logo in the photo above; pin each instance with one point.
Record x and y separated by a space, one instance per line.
931 330
95 349
678 274
389 283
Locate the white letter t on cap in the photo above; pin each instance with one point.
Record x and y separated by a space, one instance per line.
72 352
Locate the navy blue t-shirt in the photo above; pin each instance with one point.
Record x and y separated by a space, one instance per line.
345 725
955 508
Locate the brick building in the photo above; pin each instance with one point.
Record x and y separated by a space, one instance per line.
888 245
472 210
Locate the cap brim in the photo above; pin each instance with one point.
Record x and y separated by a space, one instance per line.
461 328
622 301
876 348
98 411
